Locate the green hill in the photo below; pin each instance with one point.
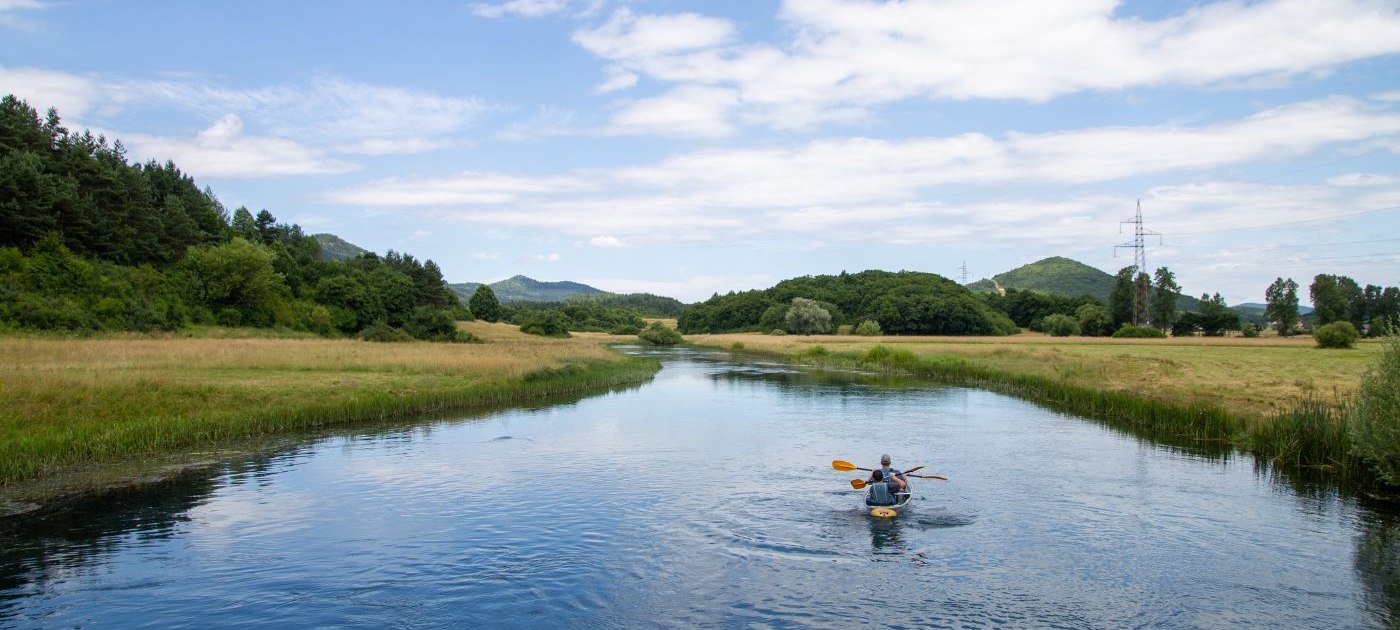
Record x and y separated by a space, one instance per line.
335 248
523 289
903 303
1055 275
1065 277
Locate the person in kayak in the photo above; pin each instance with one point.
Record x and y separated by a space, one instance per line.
892 478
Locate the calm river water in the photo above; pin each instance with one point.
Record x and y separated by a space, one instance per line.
706 498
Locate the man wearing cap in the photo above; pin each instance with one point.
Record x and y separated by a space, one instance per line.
890 475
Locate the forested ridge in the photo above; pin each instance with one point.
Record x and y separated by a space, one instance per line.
90 242
904 302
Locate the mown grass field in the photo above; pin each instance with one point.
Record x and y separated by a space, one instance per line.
65 402
1250 378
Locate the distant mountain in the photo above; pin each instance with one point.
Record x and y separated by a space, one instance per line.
523 289
1255 308
1055 275
335 248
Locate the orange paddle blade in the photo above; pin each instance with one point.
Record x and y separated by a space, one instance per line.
858 484
842 465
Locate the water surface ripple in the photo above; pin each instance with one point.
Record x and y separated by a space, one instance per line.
706 499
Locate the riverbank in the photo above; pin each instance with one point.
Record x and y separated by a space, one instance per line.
67 403
1279 398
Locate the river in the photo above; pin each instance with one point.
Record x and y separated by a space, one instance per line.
706 498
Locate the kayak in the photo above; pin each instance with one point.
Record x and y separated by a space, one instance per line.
888 511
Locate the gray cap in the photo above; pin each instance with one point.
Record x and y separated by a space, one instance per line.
885 459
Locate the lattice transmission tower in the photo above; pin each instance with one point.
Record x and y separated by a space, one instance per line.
1141 287
962 273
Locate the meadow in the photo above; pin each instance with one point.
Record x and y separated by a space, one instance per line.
71 402
1281 398
1252 378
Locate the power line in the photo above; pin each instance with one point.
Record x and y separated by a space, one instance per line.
1298 222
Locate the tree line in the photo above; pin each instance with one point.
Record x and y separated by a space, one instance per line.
89 242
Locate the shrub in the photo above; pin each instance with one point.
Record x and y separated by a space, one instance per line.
1374 421
1249 330
546 324
230 316
869 328
777 332
1138 332
380 331
1058 325
807 317
1094 320
738 345
657 334
433 324
1379 327
1336 335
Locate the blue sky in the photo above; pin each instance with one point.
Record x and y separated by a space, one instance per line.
687 148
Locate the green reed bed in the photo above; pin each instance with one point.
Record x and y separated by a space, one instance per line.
49 426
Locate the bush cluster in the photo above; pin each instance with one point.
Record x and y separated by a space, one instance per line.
658 334
1336 335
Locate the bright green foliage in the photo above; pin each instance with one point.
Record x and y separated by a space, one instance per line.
658 334
904 303
380 331
868 328
579 315
546 323
1215 317
1336 335
1094 321
806 317
484 305
1165 290
1058 325
1281 305
1334 298
1374 421
1142 332
1249 330
1025 308
89 242
1120 297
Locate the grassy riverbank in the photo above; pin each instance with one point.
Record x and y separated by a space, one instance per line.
65 402
1281 398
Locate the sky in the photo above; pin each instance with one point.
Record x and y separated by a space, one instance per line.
692 148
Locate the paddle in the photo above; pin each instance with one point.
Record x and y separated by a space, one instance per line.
848 466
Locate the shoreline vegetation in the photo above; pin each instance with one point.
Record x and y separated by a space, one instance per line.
1280 399
70 403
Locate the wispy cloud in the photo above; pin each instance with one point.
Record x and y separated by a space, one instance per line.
847 56
222 150
543 258
291 128
10 9
861 189
522 8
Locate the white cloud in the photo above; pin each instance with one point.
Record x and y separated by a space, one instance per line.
627 36
1363 179
685 111
221 150
894 191
71 94
618 79
543 258
8 9
611 242
523 8
846 56
487 255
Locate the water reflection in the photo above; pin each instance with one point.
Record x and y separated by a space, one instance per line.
706 498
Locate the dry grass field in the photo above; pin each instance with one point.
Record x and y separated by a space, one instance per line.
1251 378
65 401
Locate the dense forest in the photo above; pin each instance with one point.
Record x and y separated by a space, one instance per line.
905 302
90 242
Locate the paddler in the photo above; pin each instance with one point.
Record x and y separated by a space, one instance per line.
892 477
